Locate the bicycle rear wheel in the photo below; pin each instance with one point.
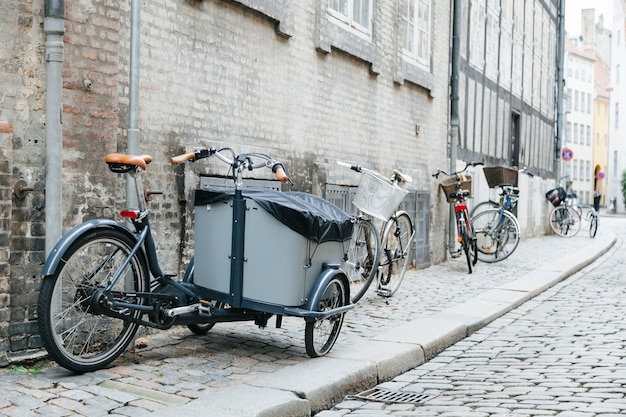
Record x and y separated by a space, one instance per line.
483 206
395 254
497 235
76 336
361 261
564 221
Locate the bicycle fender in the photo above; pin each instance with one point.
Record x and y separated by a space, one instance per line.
54 258
317 292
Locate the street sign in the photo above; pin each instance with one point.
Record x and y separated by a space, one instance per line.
567 154
600 175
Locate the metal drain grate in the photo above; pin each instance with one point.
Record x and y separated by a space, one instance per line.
393 397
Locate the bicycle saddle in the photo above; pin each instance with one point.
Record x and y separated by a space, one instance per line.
122 163
402 177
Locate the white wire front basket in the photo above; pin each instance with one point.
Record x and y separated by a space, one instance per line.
377 196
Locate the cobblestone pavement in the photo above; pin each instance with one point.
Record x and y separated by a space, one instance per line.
177 366
561 354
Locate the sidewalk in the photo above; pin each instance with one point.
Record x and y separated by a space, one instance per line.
240 370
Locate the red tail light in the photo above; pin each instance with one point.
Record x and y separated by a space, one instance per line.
129 213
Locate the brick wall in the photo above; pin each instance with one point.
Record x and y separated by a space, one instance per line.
273 76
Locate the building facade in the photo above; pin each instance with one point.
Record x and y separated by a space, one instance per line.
617 129
309 82
577 172
508 97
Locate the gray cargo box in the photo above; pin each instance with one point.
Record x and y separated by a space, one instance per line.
281 264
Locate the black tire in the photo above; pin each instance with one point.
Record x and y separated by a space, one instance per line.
74 337
361 260
199 328
466 240
593 225
564 221
395 255
496 239
320 334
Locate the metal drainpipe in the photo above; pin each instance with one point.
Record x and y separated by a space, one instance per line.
560 79
54 29
454 107
133 107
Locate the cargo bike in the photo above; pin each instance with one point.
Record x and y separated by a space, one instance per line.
258 253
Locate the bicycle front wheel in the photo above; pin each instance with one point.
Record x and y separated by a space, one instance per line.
361 261
321 334
564 221
497 235
395 254
75 335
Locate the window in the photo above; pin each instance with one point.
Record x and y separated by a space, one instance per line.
355 13
416 17
616 115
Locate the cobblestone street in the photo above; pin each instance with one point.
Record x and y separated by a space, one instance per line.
488 369
560 354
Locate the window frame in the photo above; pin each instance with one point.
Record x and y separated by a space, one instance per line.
349 20
414 22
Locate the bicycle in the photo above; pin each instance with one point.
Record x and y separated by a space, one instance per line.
385 255
457 189
564 219
103 280
497 229
589 215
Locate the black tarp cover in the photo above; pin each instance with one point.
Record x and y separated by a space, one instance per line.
310 216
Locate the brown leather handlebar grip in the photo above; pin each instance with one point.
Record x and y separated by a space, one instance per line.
178 159
281 175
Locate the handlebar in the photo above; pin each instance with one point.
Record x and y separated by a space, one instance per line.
354 167
398 177
451 174
238 162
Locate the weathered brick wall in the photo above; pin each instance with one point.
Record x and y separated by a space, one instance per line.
22 81
251 74
231 79
6 135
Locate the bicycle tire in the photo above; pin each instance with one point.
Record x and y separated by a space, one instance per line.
564 221
321 334
593 225
361 261
482 206
465 240
74 338
395 256
496 239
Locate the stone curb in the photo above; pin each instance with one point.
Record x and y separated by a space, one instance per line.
317 384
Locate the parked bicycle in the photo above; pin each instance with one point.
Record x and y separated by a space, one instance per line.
457 189
564 219
497 229
589 218
386 257
258 253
